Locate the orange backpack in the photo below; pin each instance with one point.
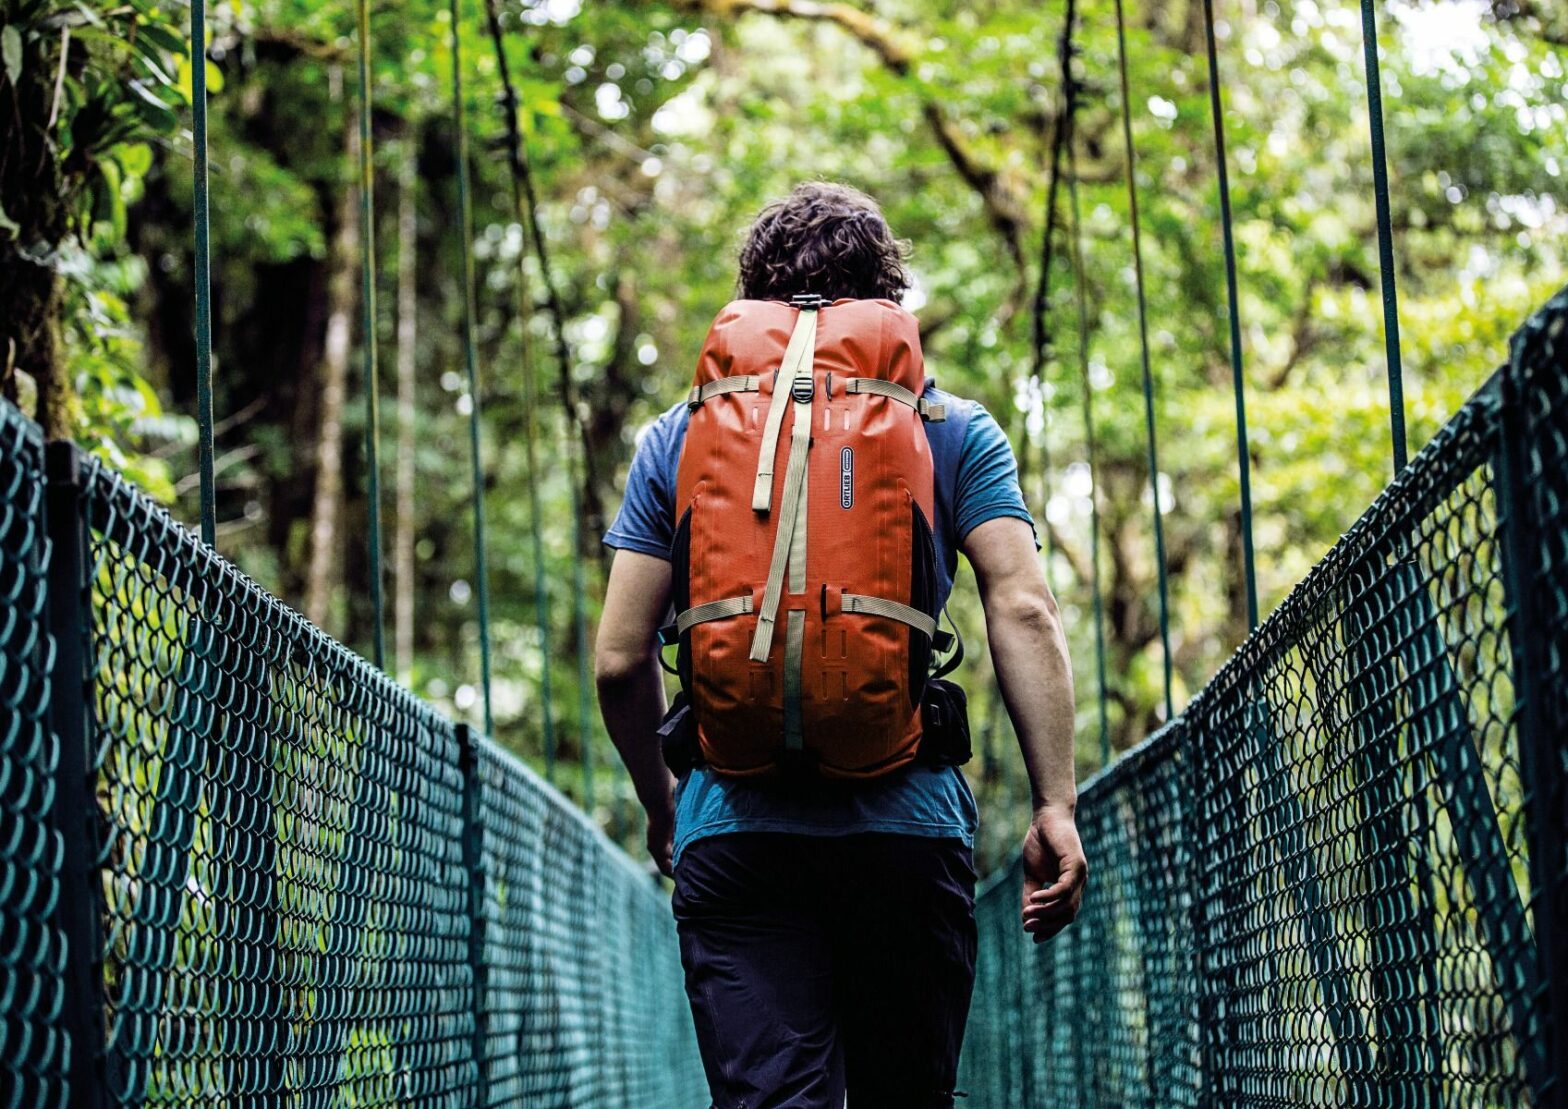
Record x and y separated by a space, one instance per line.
804 570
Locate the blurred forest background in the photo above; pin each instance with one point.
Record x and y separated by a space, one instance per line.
655 130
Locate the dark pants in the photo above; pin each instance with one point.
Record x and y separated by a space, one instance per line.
816 965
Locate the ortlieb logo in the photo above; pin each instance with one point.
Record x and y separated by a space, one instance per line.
846 478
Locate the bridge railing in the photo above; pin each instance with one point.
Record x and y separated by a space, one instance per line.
240 866
1339 877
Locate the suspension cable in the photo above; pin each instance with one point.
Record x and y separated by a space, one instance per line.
579 461
202 273
1089 447
1042 295
476 462
531 399
1238 380
1143 346
1081 299
580 468
368 326
1385 239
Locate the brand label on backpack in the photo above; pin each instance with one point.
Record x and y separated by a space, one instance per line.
846 478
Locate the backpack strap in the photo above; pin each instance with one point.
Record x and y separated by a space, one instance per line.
892 610
713 610
789 543
799 352
892 390
741 383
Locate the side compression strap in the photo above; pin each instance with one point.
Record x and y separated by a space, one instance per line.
935 413
743 383
800 351
892 610
713 610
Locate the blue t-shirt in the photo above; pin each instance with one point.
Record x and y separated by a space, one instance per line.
976 481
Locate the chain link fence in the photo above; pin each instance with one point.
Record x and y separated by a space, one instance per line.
1339 877
283 880
33 1050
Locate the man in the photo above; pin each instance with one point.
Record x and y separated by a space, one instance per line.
828 933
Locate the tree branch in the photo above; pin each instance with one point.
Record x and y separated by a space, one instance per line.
1004 202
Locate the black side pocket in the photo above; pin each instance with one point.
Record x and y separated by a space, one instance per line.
944 717
678 737
922 596
680 589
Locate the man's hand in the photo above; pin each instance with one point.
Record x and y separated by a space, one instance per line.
661 842
1054 873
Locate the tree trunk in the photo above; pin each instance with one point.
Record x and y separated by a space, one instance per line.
407 323
326 552
34 190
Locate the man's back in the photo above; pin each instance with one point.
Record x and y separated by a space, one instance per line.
976 480
827 928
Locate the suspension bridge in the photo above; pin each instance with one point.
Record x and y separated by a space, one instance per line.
239 865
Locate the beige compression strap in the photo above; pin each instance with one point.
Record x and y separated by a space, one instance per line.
791 525
799 352
892 610
713 610
935 413
794 655
742 383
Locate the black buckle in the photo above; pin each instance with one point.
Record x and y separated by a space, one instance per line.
808 302
803 389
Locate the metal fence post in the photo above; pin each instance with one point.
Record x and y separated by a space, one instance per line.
1535 588
76 815
473 866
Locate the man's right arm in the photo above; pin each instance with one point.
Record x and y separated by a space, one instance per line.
631 686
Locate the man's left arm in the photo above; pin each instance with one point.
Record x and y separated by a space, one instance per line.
1029 652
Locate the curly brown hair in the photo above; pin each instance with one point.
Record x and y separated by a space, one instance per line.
825 239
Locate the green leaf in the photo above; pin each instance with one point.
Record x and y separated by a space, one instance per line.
11 48
134 158
9 225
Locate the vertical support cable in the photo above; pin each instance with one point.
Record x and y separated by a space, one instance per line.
1042 293
367 206
1426 897
478 903
579 461
201 275
584 677
1089 446
403 543
1148 374
475 455
1238 380
1385 239
531 394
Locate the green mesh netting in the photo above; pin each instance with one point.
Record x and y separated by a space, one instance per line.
1339 878
32 949
1333 880
303 886
570 934
285 901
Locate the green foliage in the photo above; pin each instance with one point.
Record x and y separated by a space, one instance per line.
655 131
